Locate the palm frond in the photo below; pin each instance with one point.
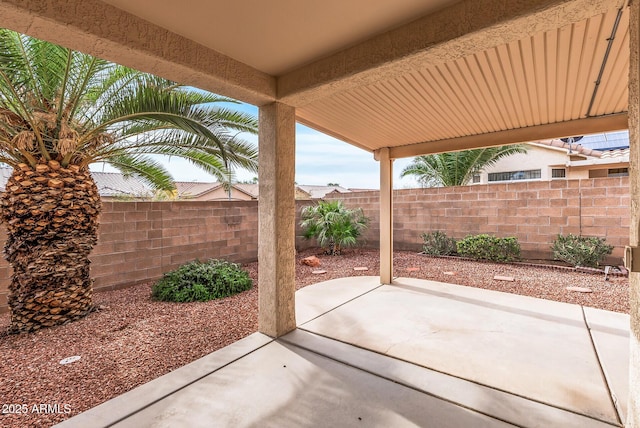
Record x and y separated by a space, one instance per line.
145 168
79 109
457 168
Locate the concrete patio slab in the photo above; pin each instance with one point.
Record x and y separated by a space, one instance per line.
317 299
281 385
418 353
610 332
492 402
534 348
121 407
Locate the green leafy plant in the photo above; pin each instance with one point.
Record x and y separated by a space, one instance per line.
63 110
487 247
333 225
456 168
201 281
437 243
587 251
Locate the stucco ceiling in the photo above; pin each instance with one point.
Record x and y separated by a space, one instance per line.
415 76
276 36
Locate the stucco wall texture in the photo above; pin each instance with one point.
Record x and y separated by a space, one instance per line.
139 241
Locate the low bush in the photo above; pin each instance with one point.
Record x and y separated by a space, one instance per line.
202 281
487 247
586 251
437 243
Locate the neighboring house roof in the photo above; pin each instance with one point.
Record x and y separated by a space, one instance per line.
198 190
113 184
607 140
355 189
248 188
574 148
617 153
302 191
317 192
194 189
591 156
612 158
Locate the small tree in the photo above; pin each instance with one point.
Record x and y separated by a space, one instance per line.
333 225
62 110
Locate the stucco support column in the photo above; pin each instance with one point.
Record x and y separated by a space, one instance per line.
276 223
386 215
633 415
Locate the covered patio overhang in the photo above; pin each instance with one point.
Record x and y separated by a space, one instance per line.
396 78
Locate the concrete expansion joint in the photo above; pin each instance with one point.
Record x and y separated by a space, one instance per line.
603 373
339 306
389 378
191 382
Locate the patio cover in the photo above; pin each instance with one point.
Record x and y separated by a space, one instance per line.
397 78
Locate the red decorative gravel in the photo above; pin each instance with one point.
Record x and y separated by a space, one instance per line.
133 339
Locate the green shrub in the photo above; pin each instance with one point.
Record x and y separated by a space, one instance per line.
487 247
438 244
586 251
333 225
201 281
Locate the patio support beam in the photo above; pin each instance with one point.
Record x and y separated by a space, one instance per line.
386 215
591 125
633 408
99 29
276 220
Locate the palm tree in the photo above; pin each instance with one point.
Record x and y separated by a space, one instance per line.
333 225
456 168
62 110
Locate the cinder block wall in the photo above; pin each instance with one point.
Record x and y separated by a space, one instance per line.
139 241
535 212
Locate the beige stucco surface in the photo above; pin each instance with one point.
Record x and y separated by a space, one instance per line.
276 223
634 237
547 158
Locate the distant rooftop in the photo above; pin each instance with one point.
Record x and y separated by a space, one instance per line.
317 192
607 141
113 184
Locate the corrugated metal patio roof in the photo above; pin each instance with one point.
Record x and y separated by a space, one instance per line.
415 76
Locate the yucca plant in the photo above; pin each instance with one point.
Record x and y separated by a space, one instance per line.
62 110
333 225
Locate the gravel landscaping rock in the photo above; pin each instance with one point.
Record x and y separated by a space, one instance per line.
131 339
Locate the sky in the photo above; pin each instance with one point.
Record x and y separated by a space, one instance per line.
320 159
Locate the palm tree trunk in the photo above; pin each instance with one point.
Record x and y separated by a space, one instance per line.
51 216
